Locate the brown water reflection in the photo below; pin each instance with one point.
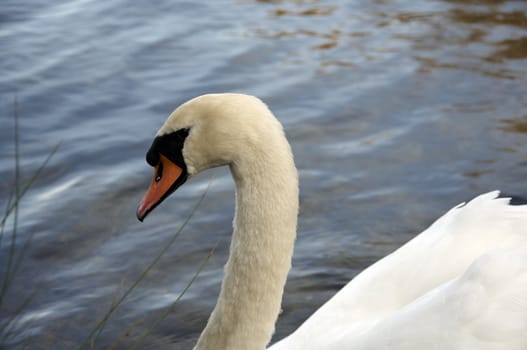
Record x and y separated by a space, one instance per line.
313 11
286 1
456 36
477 2
493 16
518 126
511 49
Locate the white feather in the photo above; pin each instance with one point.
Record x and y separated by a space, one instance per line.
461 284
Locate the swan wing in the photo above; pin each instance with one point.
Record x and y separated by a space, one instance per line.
484 309
427 264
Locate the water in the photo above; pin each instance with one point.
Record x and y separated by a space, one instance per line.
396 111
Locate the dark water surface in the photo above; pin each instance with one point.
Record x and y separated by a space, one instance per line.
396 111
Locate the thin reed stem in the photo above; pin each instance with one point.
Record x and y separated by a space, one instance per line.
97 330
169 309
12 246
25 188
6 329
14 260
8 204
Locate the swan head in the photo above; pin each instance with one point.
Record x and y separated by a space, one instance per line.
208 131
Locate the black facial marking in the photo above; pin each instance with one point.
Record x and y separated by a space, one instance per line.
159 174
169 145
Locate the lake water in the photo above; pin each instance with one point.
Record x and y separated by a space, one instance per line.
396 111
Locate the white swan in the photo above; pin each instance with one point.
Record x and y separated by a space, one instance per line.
461 284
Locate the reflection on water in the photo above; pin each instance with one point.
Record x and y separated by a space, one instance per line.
396 111
452 28
514 125
511 49
489 16
313 11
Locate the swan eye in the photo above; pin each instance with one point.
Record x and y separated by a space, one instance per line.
159 174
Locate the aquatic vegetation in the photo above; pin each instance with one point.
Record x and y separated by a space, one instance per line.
10 263
15 252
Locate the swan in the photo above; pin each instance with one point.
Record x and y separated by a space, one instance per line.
460 284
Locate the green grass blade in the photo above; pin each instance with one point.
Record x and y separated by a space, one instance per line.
6 329
12 246
171 307
8 204
96 331
12 207
29 184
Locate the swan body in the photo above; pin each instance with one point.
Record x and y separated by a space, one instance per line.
461 284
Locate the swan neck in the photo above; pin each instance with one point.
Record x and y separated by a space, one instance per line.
260 253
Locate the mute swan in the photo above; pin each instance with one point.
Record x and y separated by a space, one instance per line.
461 284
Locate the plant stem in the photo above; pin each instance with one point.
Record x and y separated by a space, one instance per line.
12 246
96 331
171 306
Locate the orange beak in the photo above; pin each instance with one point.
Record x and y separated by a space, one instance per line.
167 177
